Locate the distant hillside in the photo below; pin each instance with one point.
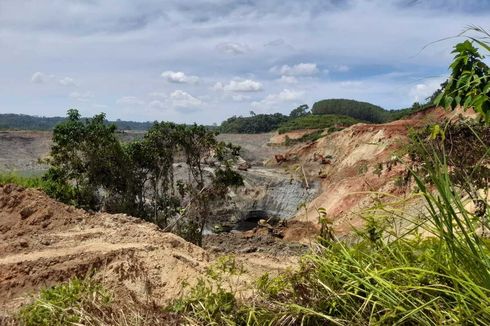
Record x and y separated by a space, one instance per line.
27 122
358 110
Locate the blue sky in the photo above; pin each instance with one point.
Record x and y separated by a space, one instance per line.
203 61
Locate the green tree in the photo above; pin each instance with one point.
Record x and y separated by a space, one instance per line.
300 111
91 168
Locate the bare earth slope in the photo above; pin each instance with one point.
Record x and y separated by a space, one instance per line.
358 166
43 242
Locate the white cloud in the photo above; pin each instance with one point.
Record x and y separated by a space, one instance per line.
100 106
179 77
272 100
288 79
81 96
301 69
240 97
41 78
67 81
130 100
158 105
342 68
182 99
232 48
421 91
246 85
158 94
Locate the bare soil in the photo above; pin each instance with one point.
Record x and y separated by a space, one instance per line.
44 242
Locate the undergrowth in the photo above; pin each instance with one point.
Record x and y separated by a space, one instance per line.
24 181
86 302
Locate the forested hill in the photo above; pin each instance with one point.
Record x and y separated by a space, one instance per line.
359 110
27 122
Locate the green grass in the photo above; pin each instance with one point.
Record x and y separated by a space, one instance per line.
64 304
21 180
87 302
327 121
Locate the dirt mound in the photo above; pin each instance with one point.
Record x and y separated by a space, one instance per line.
44 242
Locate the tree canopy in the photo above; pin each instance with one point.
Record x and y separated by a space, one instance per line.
254 124
91 168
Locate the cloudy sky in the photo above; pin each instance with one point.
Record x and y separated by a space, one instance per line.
203 61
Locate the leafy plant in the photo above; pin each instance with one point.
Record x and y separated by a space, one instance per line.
469 82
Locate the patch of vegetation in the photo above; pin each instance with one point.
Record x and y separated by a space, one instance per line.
64 304
355 109
86 302
252 125
469 82
212 301
23 181
309 137
12 121
331 122
363 111
91 168
463 146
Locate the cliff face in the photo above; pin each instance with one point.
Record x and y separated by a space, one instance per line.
355 167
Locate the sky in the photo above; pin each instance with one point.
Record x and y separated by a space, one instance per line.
204 61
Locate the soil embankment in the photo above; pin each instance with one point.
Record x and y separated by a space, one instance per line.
43 242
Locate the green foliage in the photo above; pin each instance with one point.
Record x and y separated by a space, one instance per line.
212 302
254 124
92 169
85 157
355 109
64 304
300 111
469 83
360 110
28 122
23 181
333 122
464 146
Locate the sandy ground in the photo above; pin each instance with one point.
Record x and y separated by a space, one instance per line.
43 242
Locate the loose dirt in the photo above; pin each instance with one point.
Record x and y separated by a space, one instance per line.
44 242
